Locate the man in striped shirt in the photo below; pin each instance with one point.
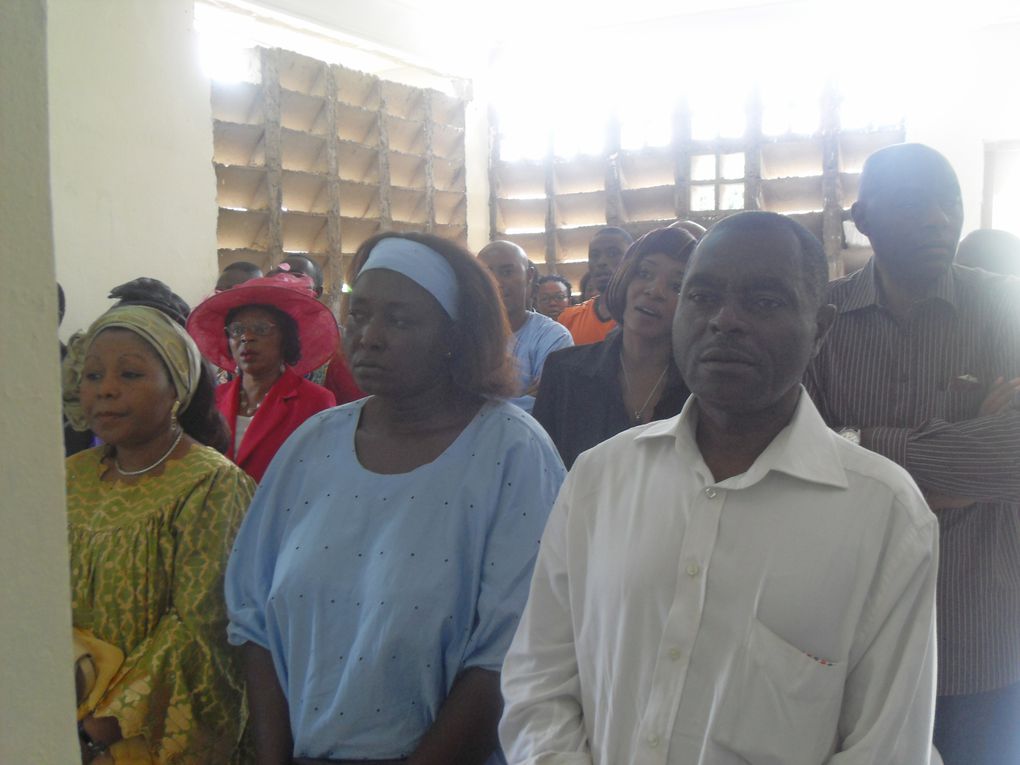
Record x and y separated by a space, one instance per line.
922 365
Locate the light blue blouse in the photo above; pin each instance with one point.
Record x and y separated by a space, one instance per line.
374 592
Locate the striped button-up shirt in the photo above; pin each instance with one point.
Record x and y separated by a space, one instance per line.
919 383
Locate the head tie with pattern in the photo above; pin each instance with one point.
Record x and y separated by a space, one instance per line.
168 339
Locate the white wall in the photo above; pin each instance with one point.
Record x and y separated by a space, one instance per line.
37 697
968 99
131 151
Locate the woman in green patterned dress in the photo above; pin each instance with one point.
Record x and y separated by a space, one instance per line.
152 516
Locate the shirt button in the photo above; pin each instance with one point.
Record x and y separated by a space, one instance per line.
675 653
693 569
653 741
710 492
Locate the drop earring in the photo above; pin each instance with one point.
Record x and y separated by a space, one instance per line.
174 423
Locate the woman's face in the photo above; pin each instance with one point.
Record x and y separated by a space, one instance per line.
256 342
395 336
126 391
552 299
652 295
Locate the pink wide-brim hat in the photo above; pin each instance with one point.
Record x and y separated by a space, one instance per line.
290 293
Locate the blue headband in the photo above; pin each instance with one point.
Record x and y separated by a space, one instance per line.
422 265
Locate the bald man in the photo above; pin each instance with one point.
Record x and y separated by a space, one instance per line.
535 336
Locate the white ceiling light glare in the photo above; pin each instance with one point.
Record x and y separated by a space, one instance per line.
225 43
718 112
521 105
792 106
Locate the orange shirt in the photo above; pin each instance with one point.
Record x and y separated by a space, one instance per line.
584 323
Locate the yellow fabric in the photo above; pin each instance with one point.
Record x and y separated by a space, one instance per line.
100 662
132 751
147 566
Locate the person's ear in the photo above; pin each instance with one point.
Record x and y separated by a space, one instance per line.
859 214
824 320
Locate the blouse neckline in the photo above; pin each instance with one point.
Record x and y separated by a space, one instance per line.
456 445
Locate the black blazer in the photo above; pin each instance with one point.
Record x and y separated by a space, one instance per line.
580 402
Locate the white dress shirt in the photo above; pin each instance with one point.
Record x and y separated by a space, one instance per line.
784 616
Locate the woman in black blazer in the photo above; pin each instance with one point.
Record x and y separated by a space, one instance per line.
591 392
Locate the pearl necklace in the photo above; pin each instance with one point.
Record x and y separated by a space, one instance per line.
157 463
626 381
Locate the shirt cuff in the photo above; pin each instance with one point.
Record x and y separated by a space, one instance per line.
889 442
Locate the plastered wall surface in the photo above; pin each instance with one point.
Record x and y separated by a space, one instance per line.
134 193
36 690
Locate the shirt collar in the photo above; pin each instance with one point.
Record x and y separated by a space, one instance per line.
863 289
528 316
805 449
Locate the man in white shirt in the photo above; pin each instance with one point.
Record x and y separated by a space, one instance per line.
737 584
534 336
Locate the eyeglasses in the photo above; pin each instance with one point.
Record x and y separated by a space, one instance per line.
558 297
237 330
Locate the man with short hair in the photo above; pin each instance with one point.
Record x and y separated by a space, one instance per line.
534 336
553 295
236 273
921 367
736 584
590 322
691 227
303 265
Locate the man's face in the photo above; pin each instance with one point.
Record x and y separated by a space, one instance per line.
511 272
604 255
746 325
913 215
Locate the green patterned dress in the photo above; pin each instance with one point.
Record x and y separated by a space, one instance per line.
147 565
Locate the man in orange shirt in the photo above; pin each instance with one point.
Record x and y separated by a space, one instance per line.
590 322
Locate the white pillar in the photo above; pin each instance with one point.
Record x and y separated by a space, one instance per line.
37 697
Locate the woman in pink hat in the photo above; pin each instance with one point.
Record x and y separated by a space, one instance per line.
272 331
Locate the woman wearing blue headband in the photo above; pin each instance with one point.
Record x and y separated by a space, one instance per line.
380 573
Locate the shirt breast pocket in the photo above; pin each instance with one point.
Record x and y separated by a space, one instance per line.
781 706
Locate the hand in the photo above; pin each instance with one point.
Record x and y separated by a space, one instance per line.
102 730
1000 396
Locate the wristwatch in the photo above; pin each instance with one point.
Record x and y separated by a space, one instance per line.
853 435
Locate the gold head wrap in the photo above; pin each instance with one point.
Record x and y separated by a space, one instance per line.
170 342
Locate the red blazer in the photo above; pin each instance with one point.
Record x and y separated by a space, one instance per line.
340 381
290 402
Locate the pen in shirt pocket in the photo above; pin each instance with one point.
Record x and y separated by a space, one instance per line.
964 383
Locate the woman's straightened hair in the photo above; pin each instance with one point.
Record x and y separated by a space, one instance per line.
480 363
675 243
